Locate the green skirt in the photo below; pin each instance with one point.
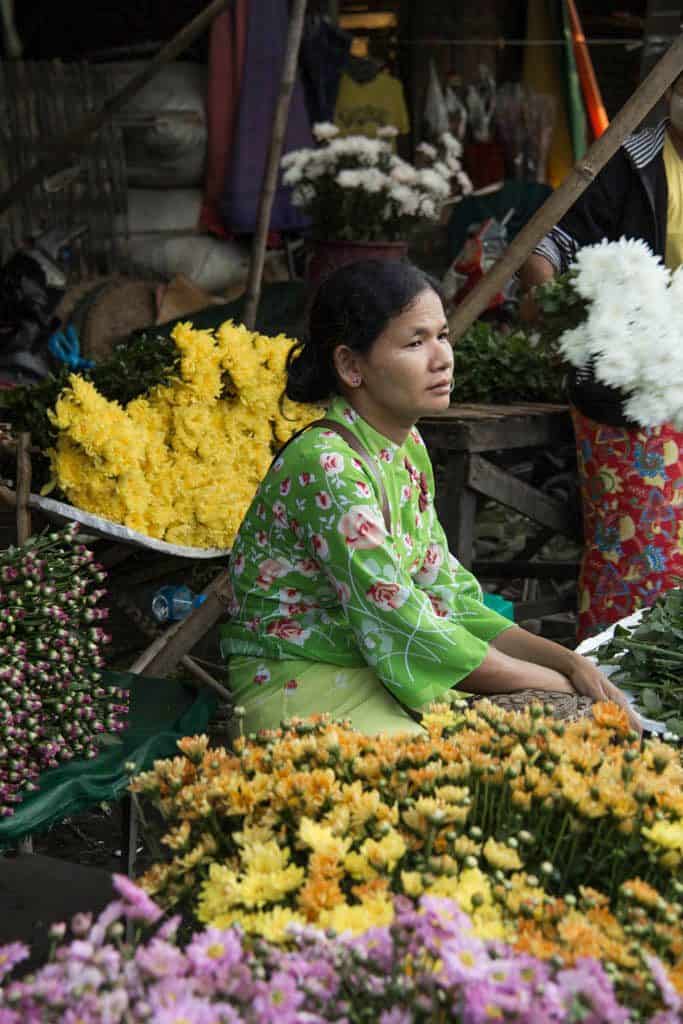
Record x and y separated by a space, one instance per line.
271 691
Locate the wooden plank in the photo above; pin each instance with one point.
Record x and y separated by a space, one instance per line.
456 506
487 479
522 569
492 433
525 610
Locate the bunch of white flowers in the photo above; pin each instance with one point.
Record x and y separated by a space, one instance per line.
358 189
631 336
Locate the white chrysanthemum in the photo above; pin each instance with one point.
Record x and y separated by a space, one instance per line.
427 150
575 346
402 173
617 367
349 178
320 165
428 208
296 156
441 168
303 194
649 409
325 130
433 182
464 182
406 199
387 131
292 175
592 266
372 180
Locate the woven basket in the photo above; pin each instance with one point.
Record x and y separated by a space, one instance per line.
567 706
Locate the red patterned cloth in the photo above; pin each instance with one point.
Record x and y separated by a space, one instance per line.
632 496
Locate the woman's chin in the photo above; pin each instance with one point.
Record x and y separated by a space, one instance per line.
437 401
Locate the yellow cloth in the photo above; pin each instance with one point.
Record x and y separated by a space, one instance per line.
673 165
363 107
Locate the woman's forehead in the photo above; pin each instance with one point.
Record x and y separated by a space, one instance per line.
425 309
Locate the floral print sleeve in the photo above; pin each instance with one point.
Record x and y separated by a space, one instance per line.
316 575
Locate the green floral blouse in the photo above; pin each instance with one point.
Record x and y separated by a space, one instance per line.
316 576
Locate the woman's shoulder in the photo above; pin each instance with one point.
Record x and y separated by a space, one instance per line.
315 448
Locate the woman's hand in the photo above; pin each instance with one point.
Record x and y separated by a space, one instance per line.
589 681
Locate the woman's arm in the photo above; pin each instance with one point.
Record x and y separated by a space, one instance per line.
501 673
583 676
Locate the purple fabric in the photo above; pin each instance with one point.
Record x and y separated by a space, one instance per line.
266 36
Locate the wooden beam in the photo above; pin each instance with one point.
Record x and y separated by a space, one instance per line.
81 134
493 482
272 168
576 182
516 568
526 610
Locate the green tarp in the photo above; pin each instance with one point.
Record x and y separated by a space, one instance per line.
161 712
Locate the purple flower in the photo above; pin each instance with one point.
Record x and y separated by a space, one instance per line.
162 960
587 985
276 1001
11 1017
670 997
10 955
395 1016
214 951
137 904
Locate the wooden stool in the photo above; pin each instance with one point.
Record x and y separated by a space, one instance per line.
458 439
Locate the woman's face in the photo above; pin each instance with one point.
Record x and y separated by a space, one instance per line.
407 372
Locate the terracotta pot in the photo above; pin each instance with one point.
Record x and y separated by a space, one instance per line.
325 256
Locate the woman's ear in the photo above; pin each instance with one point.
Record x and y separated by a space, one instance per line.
347 366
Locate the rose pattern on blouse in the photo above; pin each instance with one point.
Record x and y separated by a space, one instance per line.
337 587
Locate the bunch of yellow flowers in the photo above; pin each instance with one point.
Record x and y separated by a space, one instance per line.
316 823
182 462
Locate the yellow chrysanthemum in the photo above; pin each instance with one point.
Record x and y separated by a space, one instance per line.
372 913
182 462
501 856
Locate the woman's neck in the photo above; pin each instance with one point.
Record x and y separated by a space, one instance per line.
380 419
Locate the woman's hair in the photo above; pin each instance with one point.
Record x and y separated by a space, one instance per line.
351 307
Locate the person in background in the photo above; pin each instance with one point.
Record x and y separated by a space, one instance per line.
631 478
638 194
345 597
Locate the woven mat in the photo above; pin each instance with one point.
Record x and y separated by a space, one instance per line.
566 706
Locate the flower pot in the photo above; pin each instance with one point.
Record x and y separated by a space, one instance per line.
326 255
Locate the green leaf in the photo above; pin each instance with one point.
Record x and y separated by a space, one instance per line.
650 701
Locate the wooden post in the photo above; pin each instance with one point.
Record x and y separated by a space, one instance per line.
23 513
65 151
258 251
554 208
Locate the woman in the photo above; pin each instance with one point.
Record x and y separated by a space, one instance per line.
346 599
